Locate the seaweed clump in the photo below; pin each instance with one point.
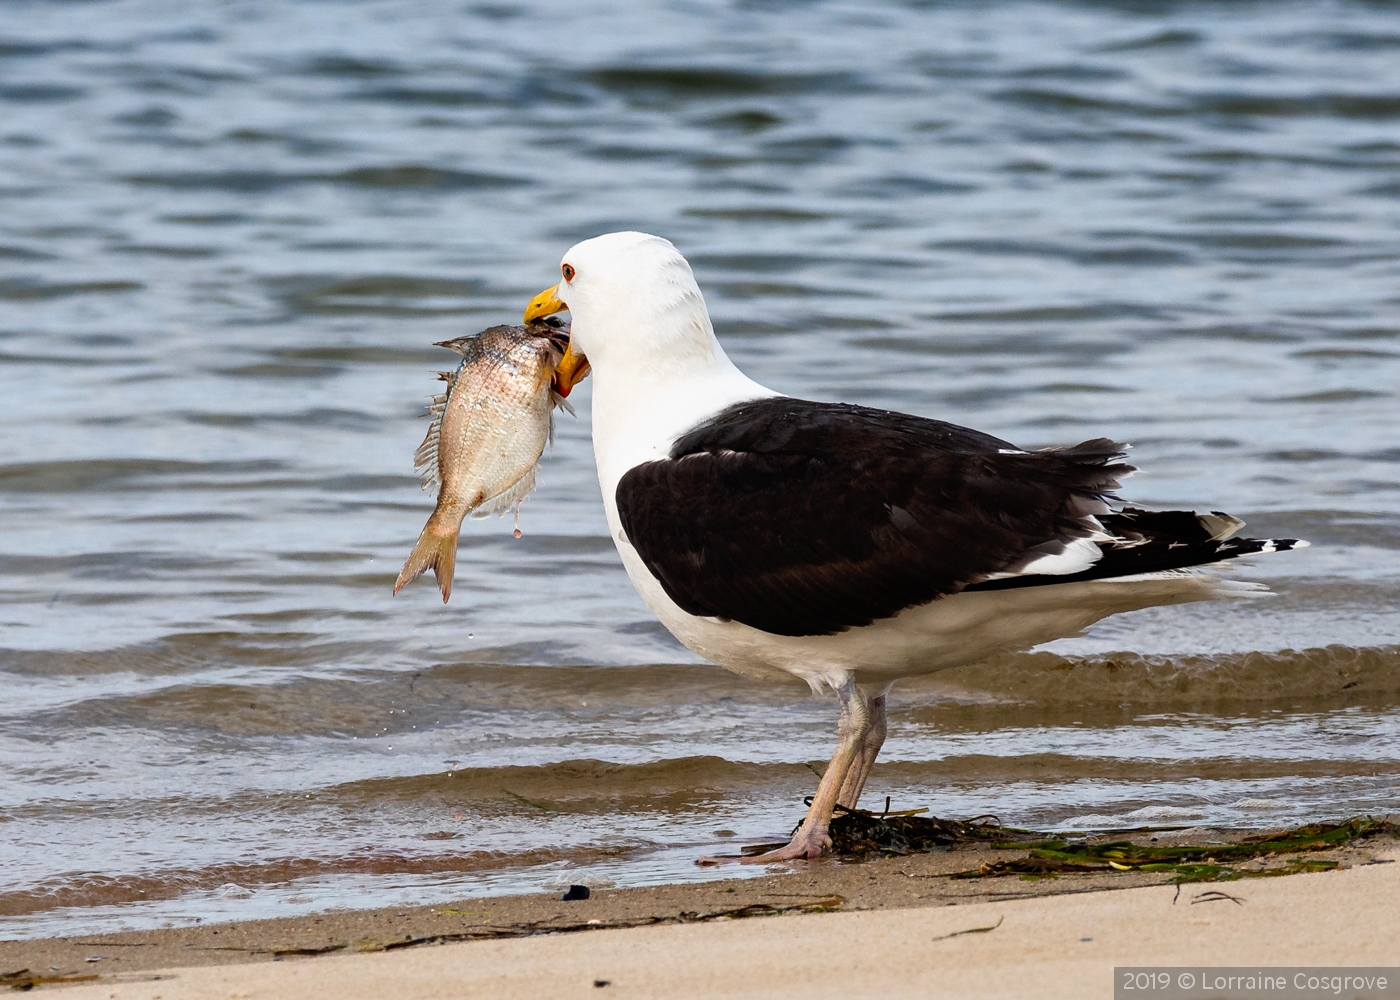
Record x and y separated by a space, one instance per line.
856 832
23 979
1186 863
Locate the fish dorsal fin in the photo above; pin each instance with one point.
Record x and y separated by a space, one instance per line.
425 459
459 344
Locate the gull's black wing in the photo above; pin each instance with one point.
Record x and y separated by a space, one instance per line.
804 518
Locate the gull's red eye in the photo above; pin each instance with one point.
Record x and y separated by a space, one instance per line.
568 271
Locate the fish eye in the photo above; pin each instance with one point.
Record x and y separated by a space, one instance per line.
568 272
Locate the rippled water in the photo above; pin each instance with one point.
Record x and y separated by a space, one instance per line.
228 234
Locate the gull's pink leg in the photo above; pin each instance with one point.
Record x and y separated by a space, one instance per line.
869 750
810 839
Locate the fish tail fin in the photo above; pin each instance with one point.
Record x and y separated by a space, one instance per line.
435 550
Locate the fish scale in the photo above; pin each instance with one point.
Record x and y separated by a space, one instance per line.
487 432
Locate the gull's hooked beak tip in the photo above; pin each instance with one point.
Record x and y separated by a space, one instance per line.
544 304
573 367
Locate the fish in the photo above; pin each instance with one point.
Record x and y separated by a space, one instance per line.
487 433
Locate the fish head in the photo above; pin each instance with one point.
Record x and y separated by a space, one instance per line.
572 367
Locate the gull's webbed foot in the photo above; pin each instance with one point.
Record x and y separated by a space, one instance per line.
803 847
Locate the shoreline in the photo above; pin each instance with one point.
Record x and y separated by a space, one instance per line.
828 886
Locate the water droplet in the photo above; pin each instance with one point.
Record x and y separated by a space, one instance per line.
517 532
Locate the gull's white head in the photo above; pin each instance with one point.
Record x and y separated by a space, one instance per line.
635 308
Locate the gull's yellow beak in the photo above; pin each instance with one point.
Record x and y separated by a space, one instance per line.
544 304
573 367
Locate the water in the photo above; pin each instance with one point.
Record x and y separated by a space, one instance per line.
228 234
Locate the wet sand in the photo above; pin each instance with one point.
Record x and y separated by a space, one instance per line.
852 923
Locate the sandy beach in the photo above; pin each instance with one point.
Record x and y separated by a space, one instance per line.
897 925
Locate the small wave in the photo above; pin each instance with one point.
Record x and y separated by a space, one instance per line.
1329 396
747 122
1170 38
151 117
1257 240
41 359
1357 106
39 93
691 82
1180 681
952 346
1351 354
1057 314
24 290
749 264
24 253
349 420
577 786
404 176
182 652
166 251
433 97
1356 41
1366 107
125 566
85 475
382 295
901 186
759 214
13 47
1134 253
808 150
242 881
1147 815
1049 99
413 175
353 67
1260 805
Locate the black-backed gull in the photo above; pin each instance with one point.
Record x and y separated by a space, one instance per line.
845 545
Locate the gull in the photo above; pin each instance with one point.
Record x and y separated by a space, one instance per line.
844 545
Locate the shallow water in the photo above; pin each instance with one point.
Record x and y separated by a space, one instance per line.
228 234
